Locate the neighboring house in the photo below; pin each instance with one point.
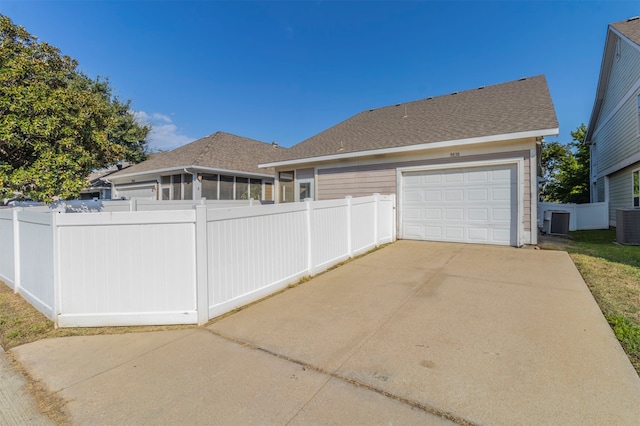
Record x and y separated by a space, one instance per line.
463 165
614 127
221 166
98 187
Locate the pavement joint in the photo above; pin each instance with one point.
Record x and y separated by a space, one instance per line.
335 375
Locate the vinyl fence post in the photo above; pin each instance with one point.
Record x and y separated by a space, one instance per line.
202 258
16 249
376 237
349 233
309 245
57 290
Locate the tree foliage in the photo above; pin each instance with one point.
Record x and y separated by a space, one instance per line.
566 169
56 124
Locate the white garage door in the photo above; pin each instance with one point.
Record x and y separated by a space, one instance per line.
470 205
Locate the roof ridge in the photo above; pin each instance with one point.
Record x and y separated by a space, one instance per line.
458 92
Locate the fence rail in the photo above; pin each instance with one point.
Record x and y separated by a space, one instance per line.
581 216
178 266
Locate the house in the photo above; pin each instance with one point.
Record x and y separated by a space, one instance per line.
98 187
614 127
463 165
220 166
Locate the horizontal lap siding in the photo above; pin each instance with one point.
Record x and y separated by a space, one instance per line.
619 139
362 180
624 74
620 191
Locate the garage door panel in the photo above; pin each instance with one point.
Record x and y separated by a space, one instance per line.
478 214
454 195
413 195
454 214
461 205
479 234
501 215
477 195
453 177
478 176
454 233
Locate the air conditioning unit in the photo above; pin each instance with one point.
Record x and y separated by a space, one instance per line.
628 226
556 222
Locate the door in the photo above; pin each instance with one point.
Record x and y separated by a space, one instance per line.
469 205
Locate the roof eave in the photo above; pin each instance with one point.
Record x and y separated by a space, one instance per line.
191 167
420 147
603 78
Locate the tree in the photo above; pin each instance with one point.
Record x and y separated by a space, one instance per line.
56 124
566 169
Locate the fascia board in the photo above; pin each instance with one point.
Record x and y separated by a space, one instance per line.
420 147
603 78
182 169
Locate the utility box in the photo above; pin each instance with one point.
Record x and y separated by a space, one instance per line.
628 226
556 222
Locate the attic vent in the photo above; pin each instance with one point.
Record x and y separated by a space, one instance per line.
372 109
454 93
633 18
398 104
522 79
481 87
430 97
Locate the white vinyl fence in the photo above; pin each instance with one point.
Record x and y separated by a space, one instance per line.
581 216
179 266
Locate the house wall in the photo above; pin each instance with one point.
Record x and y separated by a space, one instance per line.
362 180
624 74
620 191
617 132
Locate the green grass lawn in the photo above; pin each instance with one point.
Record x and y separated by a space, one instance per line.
612 273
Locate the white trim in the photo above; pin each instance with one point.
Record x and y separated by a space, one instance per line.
627 39
533 196
196 169
621 165
636 170
630 94
419 147
518 161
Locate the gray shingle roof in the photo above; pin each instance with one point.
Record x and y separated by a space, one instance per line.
516 106
219 150
630 28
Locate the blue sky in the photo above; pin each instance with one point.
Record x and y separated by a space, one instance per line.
284 71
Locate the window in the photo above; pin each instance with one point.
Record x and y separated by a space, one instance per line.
210 187
255 189
226 187
165 183
187 187
176 187
636 188
242 188
639 114
285 193
305 189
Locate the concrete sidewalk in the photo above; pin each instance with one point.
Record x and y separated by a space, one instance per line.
417 332
17 406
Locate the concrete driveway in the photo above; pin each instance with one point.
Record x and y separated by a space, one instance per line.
417 332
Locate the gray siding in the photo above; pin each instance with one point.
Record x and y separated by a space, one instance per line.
620 191
619 137
600 189
305 173
363 180
624 74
